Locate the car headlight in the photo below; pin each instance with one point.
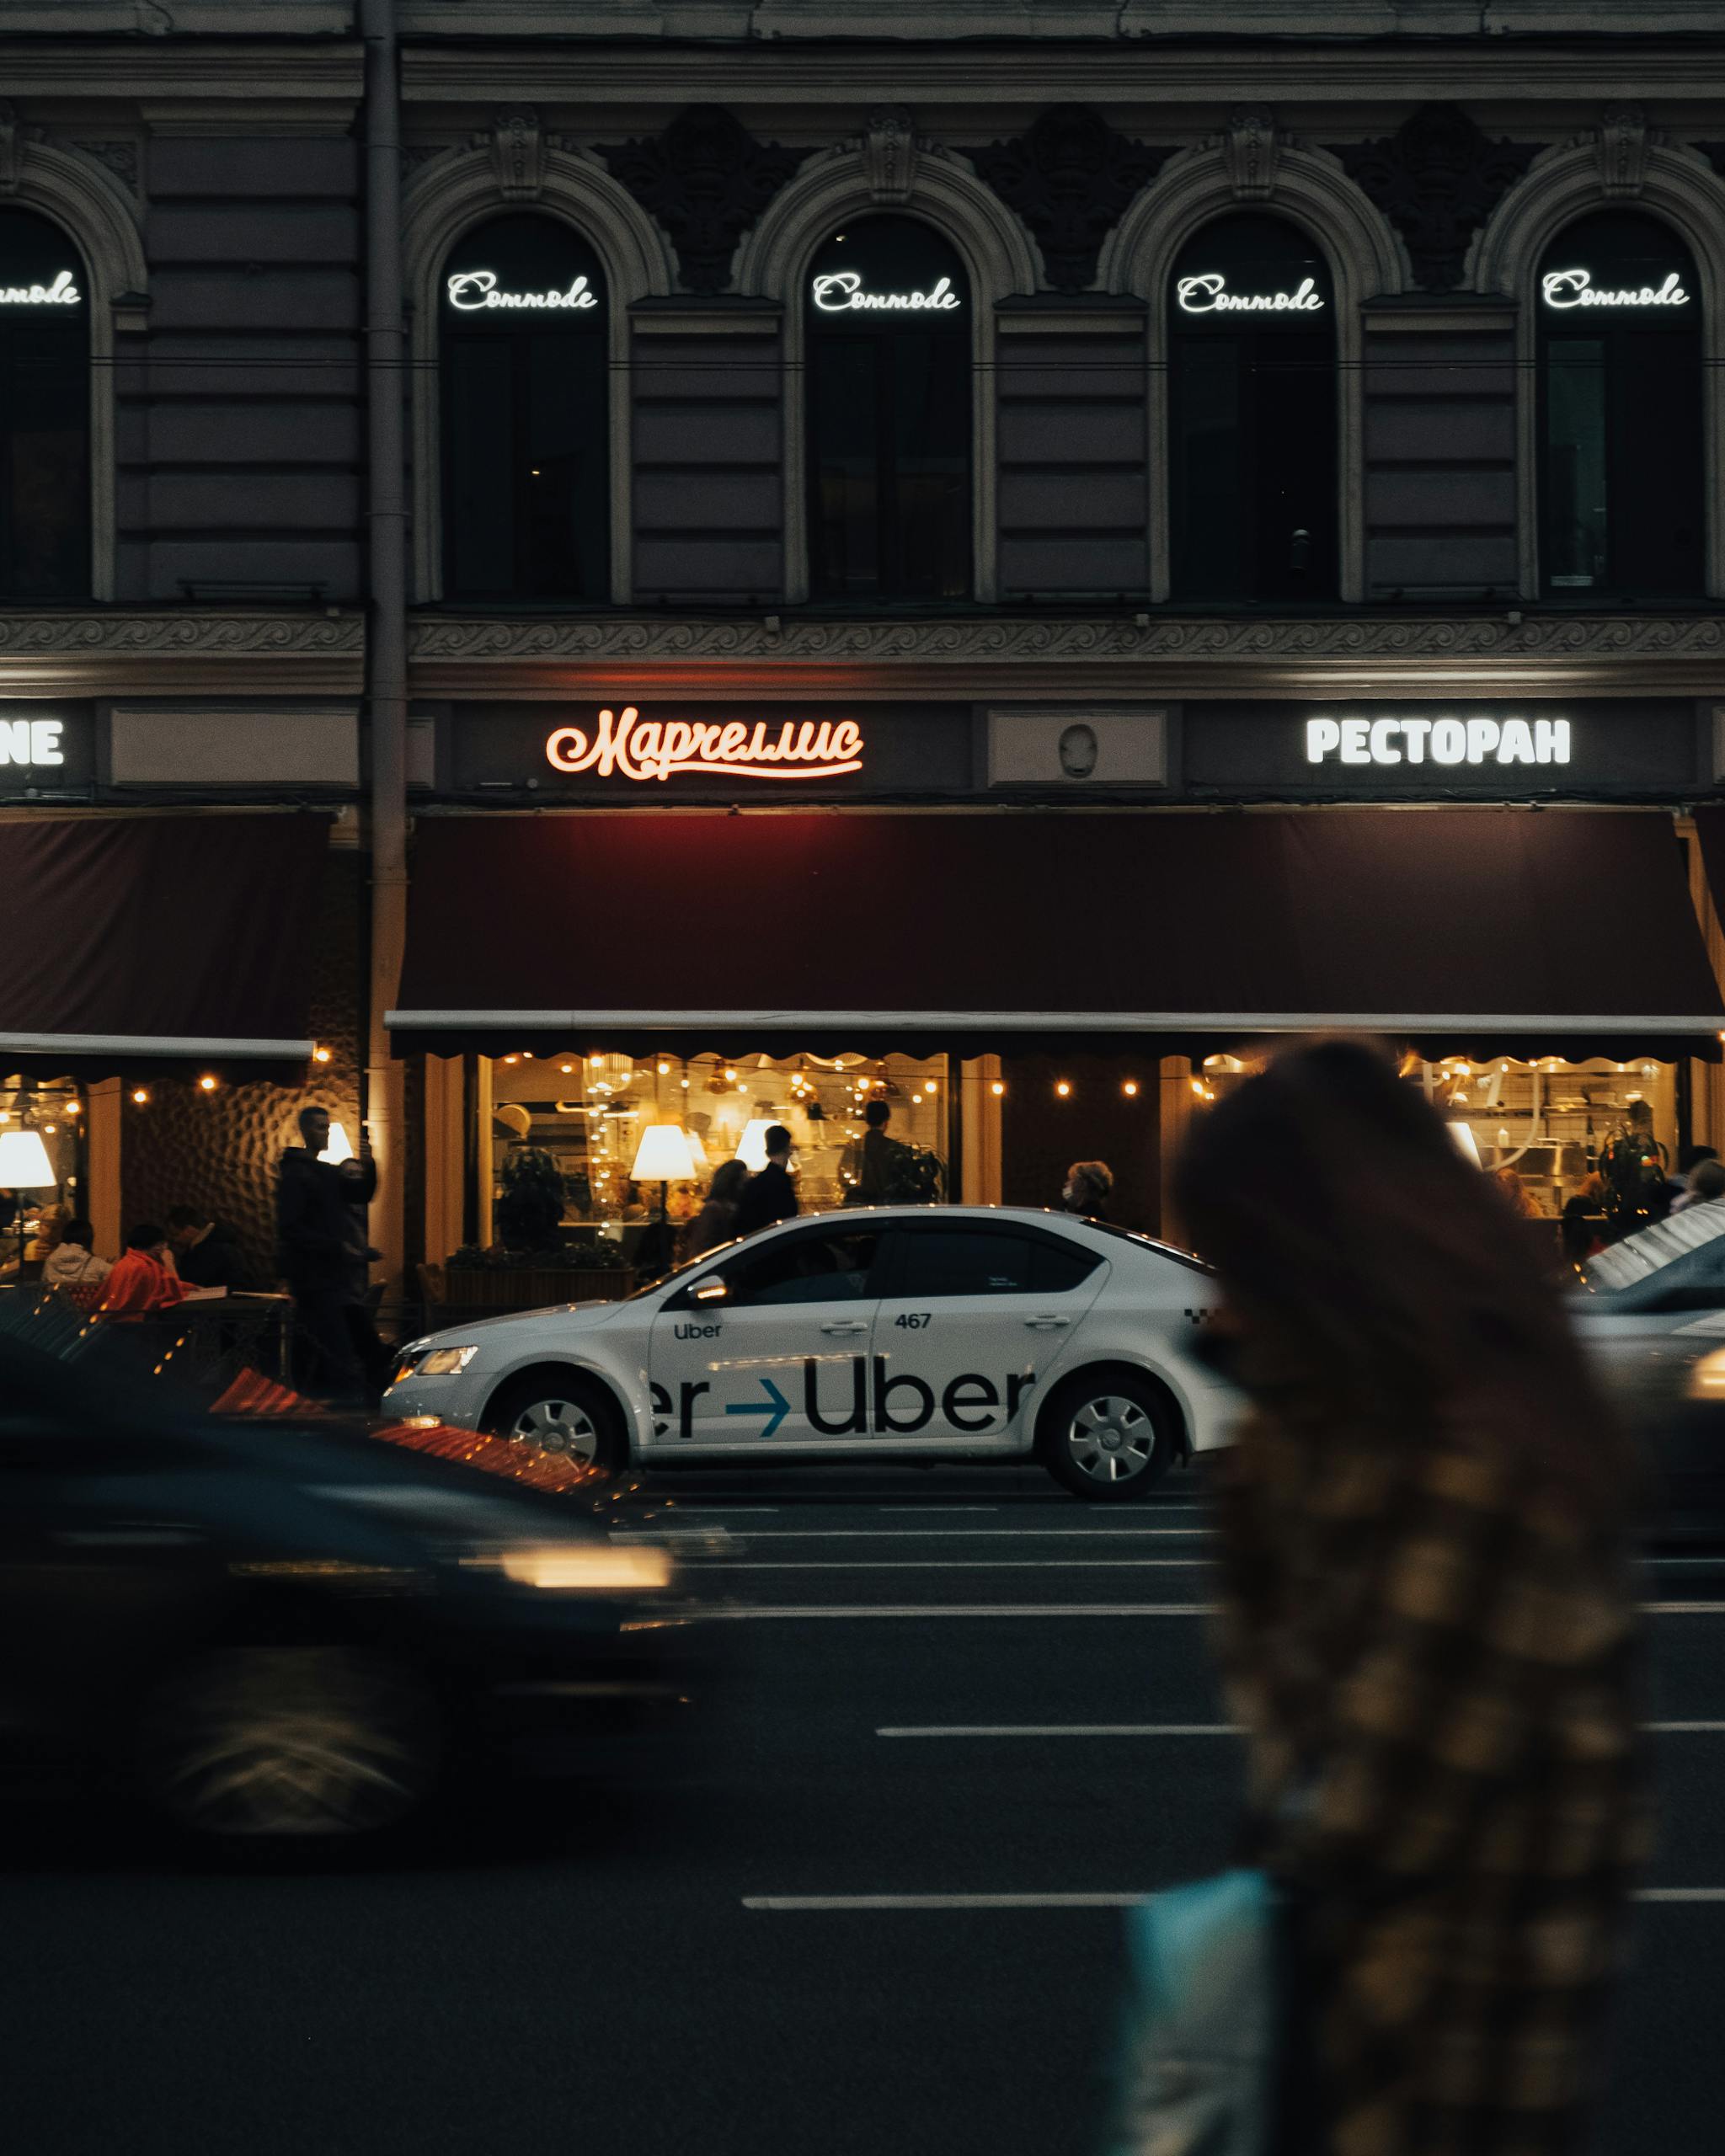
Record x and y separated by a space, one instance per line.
1706 1378
445 1362
584 1567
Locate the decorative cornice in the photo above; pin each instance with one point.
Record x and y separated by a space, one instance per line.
1437 179
1069 176
706 179
1548 654
113 652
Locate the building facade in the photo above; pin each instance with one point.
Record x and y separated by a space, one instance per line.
1002 559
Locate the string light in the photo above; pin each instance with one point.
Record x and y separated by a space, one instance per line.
665 1070
320 1055
206 1084
1063 1087
997 1086
139 1097
1131 1088
929 1086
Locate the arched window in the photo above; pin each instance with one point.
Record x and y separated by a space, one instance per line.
888 372
526 511
1618 312
45 412
1251 415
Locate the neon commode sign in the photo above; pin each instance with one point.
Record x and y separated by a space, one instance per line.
1565 288
471 291
1208 294
31 742
62 292
632 747
1438 740
840 291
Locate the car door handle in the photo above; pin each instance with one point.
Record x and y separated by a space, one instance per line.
1048 1322
852 1324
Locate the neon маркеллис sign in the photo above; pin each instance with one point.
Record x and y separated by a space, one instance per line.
62 292
626 745
1563 289
1208 294
840 291
1448 741
472 291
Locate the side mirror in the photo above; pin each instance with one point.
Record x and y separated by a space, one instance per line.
711 1290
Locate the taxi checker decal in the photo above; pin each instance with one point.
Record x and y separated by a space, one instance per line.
901 1405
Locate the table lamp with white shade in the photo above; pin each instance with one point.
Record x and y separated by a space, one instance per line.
662 1156
25 1165
751 1146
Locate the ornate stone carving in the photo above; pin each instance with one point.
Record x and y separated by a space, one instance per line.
414 155
1437 179
1249 150
181 635
1069 176
890 153
12 139
121 159
1623 141
1489 636
518 154
706 179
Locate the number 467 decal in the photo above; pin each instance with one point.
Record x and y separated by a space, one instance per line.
915 1320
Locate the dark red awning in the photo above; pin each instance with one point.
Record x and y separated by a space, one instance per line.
158 936
1479 927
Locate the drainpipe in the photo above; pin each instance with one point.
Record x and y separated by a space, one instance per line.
386 641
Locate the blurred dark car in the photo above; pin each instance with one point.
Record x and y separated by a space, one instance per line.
286 1627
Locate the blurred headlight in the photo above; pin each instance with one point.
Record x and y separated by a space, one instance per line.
589 1568
446 1362
1706 1378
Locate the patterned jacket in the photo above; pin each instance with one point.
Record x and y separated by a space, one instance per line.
1435 1665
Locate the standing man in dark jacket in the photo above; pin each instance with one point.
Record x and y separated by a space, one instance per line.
770 1195
320 1211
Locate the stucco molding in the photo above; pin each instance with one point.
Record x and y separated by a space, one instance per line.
890 166
484 640
1254 165
1674 183
444 198
71 652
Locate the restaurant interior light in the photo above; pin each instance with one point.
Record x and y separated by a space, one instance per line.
320 1055
1463 1140
997 1086
663 1154
1131 1088
139 1096
1063 1087
751 1146
23 1162
207 1083
339 1148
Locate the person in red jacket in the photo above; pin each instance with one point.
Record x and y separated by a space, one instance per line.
143 1280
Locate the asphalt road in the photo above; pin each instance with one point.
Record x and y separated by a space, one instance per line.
850 1937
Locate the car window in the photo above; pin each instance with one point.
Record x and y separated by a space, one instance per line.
1696 1281
826 1265
1057 1267
963 1262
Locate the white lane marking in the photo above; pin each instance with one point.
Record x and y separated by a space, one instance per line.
964 1609
862 1902
952 1564
861 1610
965 1533
1039 1729
1071 1729
696 1505
939 1508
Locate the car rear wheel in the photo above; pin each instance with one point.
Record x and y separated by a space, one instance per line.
281 1742
548 1411
1106 1436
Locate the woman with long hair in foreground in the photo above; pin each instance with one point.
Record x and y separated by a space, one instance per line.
1427 1624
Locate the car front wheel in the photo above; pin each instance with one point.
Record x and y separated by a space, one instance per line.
1107 1437
547 1410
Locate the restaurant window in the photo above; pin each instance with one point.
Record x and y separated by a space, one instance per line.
1619 315
1251 415
526 509
585 1113
43 1170
1542 1125
887 309
45 412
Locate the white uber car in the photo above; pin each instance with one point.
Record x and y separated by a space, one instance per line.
953 1334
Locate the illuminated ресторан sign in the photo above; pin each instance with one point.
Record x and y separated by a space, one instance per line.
1563 289
1448 741
840 291
625 745
1208 294
472 291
